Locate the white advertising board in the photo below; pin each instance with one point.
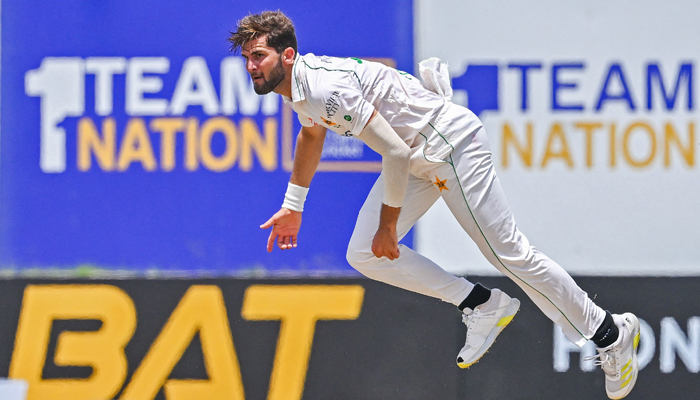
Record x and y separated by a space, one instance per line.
591 110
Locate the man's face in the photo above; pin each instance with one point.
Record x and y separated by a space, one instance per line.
264 65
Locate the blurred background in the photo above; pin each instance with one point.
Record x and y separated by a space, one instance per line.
137 163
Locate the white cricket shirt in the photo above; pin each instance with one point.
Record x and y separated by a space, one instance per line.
342 93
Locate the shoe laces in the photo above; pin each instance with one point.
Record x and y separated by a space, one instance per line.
607 361
469 319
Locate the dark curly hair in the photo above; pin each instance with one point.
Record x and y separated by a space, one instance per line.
278 28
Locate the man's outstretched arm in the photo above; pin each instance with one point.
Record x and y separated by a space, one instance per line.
287 221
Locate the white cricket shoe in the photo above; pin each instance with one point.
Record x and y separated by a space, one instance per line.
619 360
484 324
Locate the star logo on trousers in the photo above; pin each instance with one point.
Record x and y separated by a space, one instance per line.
440 184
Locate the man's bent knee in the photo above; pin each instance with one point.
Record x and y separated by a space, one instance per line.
365 262
358 257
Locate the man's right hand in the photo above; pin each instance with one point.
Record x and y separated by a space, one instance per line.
285 227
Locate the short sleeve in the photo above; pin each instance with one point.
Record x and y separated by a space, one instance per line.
305 120
344 107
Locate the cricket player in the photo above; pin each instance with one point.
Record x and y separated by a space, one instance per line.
430 148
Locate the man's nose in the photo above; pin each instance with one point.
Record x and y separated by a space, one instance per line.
250 66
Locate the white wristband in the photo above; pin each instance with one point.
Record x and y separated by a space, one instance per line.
295 197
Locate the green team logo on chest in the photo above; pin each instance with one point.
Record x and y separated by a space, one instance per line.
405 75
348 118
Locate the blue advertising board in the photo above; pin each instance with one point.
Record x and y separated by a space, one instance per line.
131 139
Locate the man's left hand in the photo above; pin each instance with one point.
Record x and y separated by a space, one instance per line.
386 244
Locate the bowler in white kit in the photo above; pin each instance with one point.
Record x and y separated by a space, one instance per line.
430 148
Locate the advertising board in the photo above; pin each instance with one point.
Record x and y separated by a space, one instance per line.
591 111
132 139
143 339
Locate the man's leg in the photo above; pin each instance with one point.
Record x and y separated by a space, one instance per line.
411 271
486 313
476 199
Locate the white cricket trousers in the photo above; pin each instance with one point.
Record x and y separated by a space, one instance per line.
473 194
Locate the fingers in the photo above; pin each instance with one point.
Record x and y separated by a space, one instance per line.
271 241
269 222
283 242
376 251
286 242
391 255
280 243
380 252
394 254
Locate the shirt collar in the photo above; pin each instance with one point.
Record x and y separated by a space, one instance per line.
298 71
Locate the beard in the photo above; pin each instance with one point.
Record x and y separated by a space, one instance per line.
269 84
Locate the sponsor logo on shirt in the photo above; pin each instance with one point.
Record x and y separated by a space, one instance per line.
332 104
330 123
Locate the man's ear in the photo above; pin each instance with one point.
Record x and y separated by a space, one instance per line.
288 56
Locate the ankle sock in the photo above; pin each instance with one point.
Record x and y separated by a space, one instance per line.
478 296
607 333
